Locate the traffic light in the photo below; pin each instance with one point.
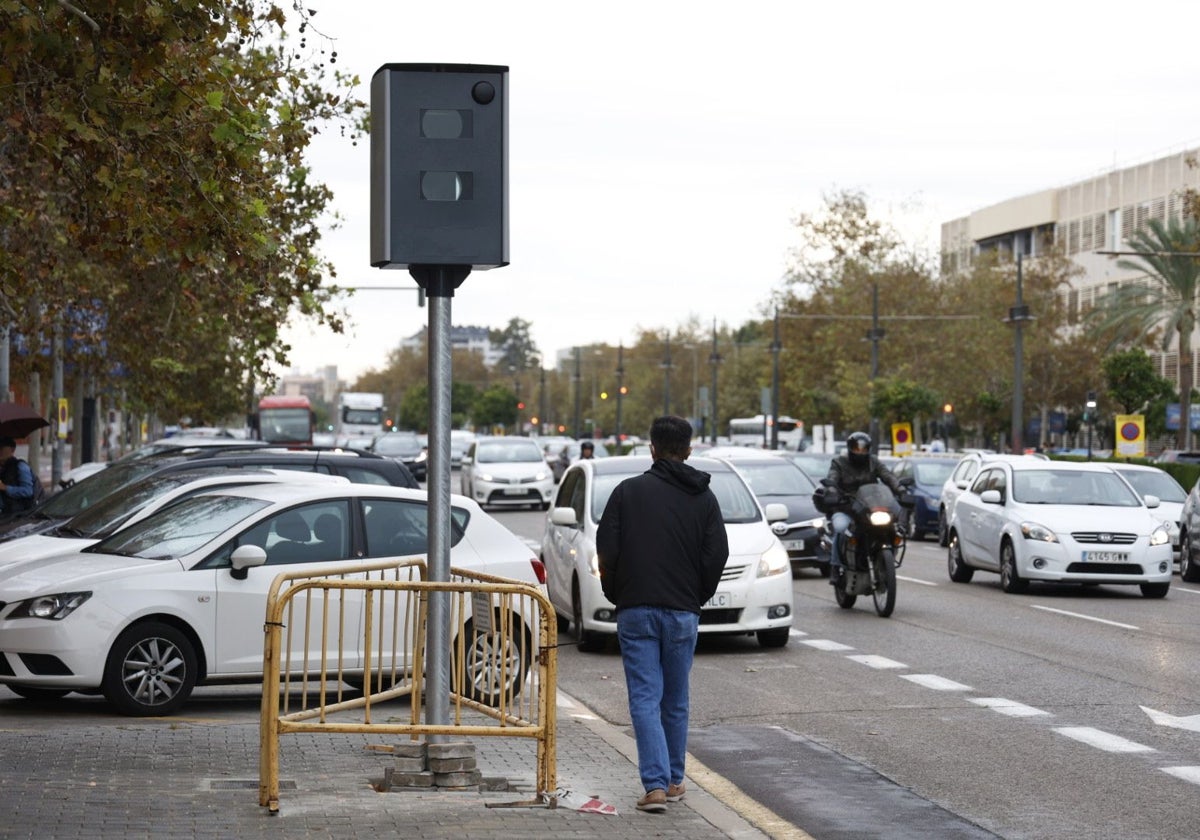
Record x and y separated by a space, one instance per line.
1089 408
520 406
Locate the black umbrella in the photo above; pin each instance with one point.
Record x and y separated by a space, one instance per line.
18 421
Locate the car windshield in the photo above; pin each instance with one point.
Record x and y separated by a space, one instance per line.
815 464
110 512
1066 487
775 479
505 451
398 445
1155 483
180 529
87 492
738 504
933 474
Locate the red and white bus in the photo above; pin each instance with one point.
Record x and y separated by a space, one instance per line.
285 420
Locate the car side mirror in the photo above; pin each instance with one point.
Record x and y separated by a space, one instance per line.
244 558
564 516
776 512
1152 501
991 497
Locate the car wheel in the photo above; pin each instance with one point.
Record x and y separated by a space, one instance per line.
545 506
1187 560
1155 590
589 641
151 670
943 528
30 692
1010 581
776 638
496 663
960 572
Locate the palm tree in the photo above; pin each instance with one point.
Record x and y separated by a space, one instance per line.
1169 254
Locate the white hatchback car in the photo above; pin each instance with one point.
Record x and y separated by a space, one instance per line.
965 470
754 596
178 599
507 472
1031 520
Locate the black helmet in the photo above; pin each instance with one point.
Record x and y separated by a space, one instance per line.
858 449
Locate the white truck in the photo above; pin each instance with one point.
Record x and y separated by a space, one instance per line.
359 418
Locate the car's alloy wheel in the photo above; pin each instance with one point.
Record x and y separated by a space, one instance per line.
960 572
1187 560
943 528
589 642
496 664
151 670
1010 580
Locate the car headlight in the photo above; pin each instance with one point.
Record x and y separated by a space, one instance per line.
482 476
423 456
1160 535
774 561
52 607
541 476
1034 531
593 565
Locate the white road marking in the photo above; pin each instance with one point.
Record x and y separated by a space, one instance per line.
1086 617
797 633
1007 707
1103 740
935 682
1191 722
1188 774
873 661
1181 589
916 580
826 644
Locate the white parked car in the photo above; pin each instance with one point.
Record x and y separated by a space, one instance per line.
178 599
755 593
1031 520
137 501
507 472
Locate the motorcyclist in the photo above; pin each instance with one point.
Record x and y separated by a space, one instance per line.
847 473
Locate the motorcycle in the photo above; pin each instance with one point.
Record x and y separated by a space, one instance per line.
873 547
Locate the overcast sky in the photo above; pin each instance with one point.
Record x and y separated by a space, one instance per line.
660 151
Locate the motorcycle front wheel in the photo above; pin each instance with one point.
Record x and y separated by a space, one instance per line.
885 582
844 599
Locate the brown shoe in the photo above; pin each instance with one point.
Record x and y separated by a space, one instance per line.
655 801
675 792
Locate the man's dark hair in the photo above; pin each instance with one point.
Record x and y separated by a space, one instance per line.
7 441
671 437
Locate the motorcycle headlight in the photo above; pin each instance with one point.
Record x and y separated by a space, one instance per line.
881 518
1034 531
1160 535
51 607
774 561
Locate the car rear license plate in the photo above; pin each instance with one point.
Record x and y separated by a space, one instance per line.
513 491
1105 557
793 545
718 601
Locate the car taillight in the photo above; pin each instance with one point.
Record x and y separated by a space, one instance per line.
539 569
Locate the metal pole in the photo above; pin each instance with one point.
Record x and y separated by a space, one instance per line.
56 454
714 359
577 379
542 401
874 335
666 365
775 348
439 283
1018 315
620 391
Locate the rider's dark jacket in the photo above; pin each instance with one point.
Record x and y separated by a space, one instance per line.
848 478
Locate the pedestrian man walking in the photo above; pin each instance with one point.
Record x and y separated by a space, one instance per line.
662 548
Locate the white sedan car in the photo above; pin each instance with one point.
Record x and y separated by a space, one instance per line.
137 501
1031 520
755 593
507 472
178 599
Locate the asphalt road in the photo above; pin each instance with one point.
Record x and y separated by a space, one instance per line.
1062 713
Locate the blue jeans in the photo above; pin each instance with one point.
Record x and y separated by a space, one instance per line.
841 523
657 646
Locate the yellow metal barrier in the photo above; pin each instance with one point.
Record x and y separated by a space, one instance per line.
340 641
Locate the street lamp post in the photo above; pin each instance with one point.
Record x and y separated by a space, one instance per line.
666 366
1018 314
874 335
776 346
577 379
620 391
714 360
1089 417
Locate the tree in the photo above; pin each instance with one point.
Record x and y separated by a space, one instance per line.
520 352
1132 383
1166 294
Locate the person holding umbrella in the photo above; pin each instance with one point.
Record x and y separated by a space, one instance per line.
17 487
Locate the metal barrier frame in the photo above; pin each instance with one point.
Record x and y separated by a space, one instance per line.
530 717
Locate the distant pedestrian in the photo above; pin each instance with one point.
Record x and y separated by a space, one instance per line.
587 450
662 548
17 487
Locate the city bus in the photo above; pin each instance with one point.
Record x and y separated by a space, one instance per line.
756 431
285 420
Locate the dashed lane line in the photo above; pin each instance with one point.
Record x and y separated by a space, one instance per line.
1188 774
826 644
935 682
873 661
1007 707
916 580
1086 617
1102 740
